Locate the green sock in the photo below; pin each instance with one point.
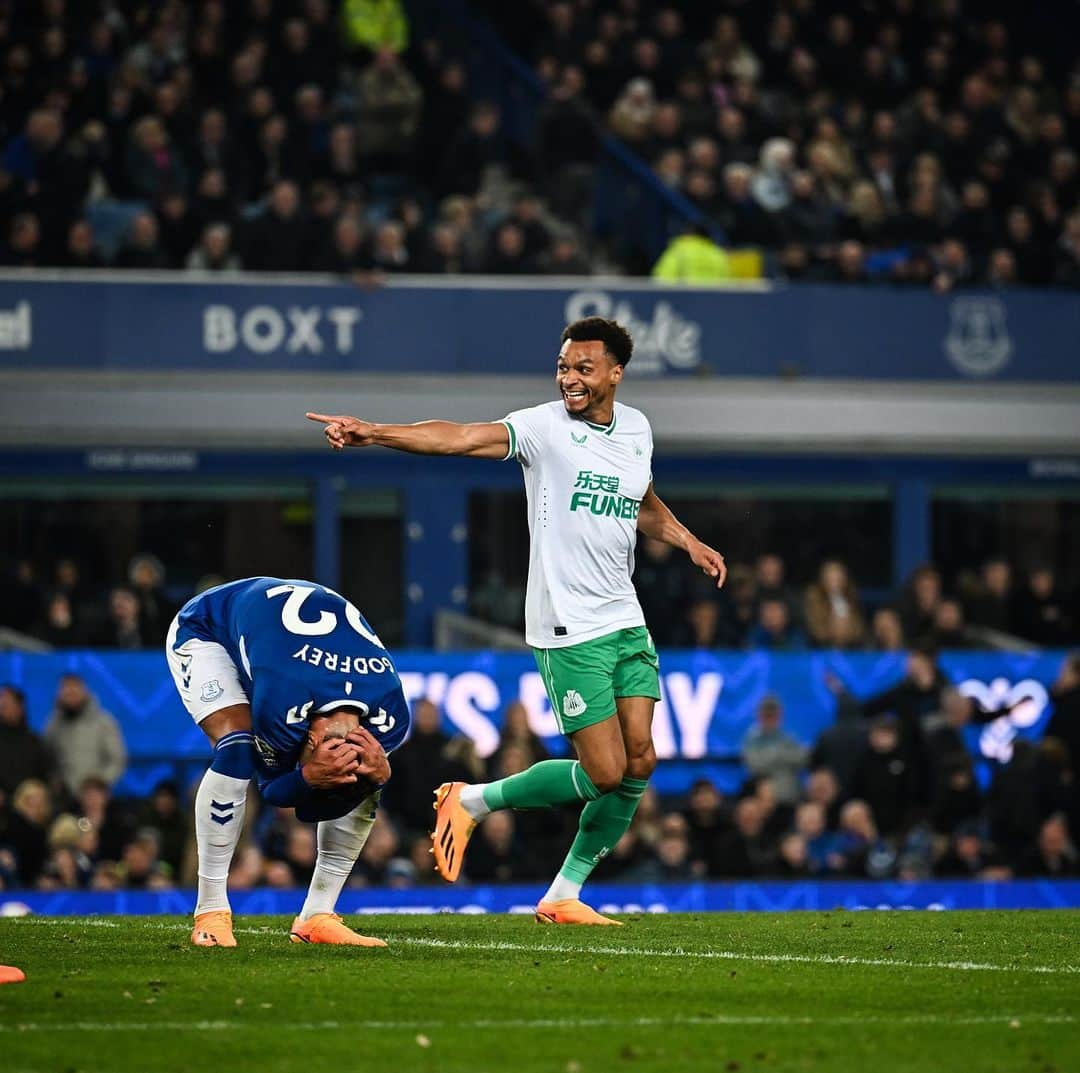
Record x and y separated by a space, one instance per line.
603 822
549 783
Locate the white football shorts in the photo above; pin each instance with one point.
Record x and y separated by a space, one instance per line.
206 677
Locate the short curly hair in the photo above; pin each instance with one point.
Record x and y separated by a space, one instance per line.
616 339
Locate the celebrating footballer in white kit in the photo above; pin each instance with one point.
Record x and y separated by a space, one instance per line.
587 462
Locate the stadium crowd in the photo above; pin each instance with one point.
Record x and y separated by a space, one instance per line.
888 791
890 140
998 605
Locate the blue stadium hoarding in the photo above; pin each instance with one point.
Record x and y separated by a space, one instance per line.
764 896
709 700
116 321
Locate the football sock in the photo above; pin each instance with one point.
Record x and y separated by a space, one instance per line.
603 822
549 783
472 800
340 843
220 805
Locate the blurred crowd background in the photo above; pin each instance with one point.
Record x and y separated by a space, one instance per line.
913 142
904 143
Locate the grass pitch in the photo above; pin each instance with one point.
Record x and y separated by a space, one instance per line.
869 992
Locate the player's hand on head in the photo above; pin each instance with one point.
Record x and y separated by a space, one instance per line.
344 431
373 762
333 762
710 561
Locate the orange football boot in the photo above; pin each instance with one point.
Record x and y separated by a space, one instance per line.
328 928
571 911
11 975
453 828
213 929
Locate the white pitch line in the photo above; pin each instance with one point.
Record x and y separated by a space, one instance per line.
733 955
635 951
719 1021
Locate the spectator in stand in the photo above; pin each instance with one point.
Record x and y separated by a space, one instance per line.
774 630
123 626
887 630
347 253
59 627
743 852
767 750
163 816
112 823
1042 614
214 252
390 103
661 583
707 820
279 240
833 616
992 605
950 630
24 245
146 575
693 257
84 738
968 856
23 754
865 853
494 855
564 257
1067 263
631 117
1064 724
80 252
885 779
375 24
1014 809
142 248
24 830
920 601
507 254
914 697
518 734
770 576
389 252
419 765
154 166
474 151
840 745
1054 856
140 868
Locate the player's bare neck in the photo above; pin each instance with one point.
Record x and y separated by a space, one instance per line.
600 414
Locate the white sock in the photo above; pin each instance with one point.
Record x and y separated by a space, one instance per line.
340 843
220 805
562 888
472 801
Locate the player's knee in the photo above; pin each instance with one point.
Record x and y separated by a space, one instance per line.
607 776
641 764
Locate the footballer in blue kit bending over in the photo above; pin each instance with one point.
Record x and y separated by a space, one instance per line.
295 690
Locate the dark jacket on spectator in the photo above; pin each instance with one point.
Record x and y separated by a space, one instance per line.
23 755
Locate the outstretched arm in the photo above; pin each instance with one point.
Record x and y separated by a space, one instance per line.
483 440
656 520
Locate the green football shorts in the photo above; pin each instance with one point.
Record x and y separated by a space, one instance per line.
582 681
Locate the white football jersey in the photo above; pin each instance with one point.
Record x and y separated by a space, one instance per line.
584 484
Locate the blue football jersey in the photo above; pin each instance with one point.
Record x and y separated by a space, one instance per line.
301 649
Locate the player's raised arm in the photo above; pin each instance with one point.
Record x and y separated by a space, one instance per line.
481 440
656 520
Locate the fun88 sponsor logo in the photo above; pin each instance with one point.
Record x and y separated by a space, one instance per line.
265 329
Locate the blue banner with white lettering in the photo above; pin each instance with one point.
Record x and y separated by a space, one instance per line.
812 330
709 701
775 897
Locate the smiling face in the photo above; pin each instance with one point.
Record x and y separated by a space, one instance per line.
587 376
